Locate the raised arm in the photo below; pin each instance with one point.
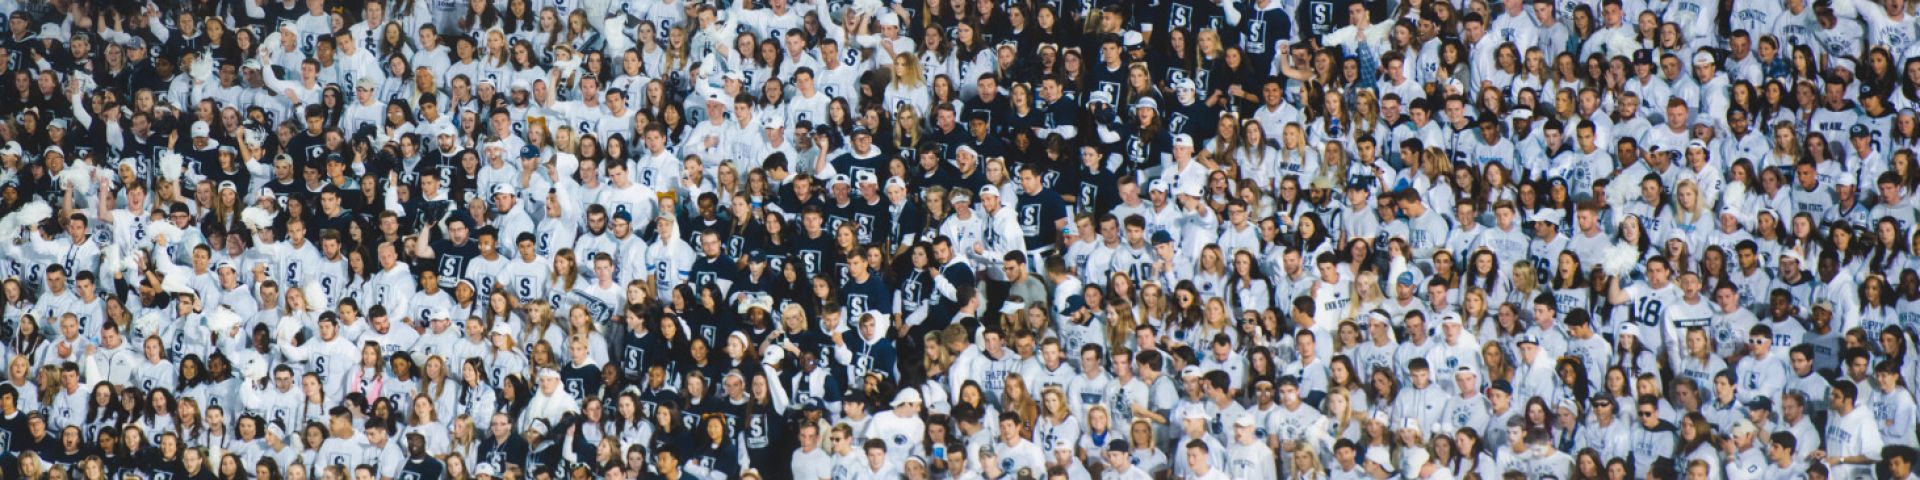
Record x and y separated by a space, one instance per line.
1615 294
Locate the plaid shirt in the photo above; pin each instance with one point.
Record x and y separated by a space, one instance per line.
1369 64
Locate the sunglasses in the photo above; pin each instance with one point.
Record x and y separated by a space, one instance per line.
1646 414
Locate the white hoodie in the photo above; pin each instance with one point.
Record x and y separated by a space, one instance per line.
549 407
1001 236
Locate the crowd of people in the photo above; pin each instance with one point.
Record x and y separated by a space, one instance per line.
959 239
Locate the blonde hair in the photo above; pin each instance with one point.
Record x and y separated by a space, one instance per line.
1486 309
941 358
906 125
1005 174
1207 44
1024 405
1435 163
1684 213
1344 417
1525 281
907 72
1366 290
1066 406
565 280
1120 325
563 138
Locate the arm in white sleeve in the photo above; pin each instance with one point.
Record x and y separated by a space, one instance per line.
44 247
945 287
1342 36
566 448
741 14
163 263
823 168
833 29
114 36
250 397
80 113
90 372
918 316
841 353
159 29
393 201
421 250
298 353
278 87
775 388
261 168
700 472
898 301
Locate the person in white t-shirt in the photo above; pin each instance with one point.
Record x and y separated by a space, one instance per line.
1199 460
901 428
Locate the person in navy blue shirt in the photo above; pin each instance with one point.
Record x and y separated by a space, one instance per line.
1095 187
757 279
861 155
502 445
864 291
713 267
1041 212
1060 114
419 464
869 349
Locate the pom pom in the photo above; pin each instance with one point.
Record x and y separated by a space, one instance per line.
110 262
273 39
256 218
26 217
287 329
566 163
164 229
316 298
565 201
34 213
202 69
175 284
107 178
171 166
148 324
867 7
1620 259
253 368
133 262
222 320
1735 198
77 177
773 356
568 67
615 31
1620 193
